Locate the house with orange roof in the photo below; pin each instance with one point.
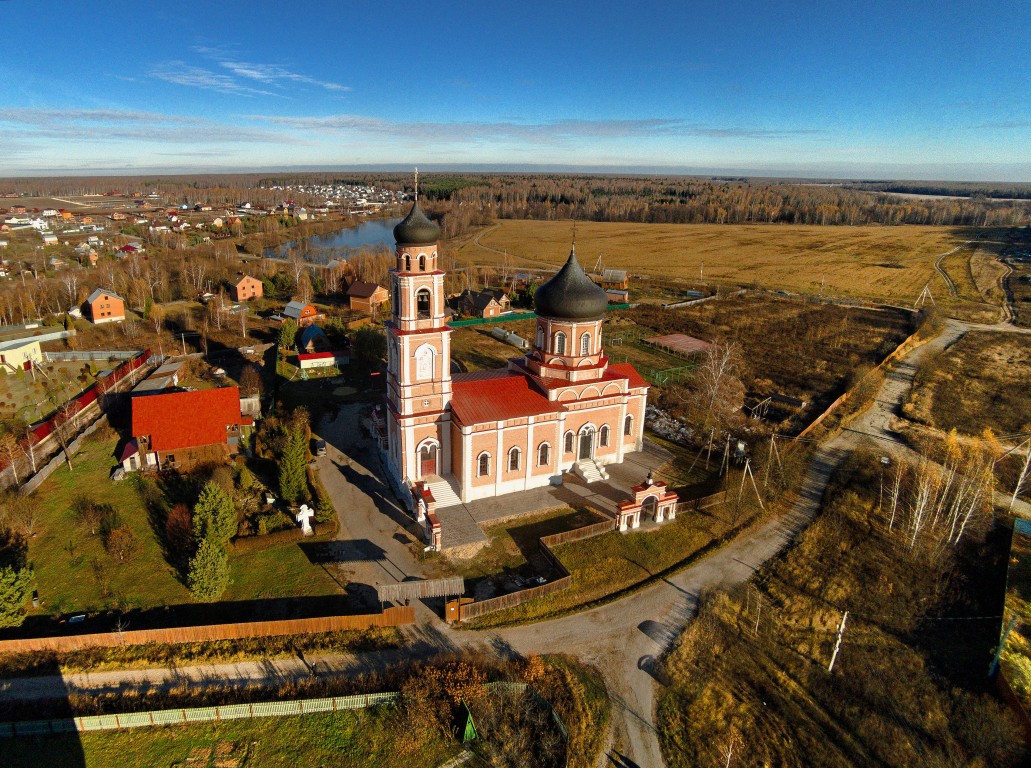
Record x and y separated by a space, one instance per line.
181 429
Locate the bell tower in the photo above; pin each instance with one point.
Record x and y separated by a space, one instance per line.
418 353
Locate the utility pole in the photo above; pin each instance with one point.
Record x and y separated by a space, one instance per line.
837 642
759 610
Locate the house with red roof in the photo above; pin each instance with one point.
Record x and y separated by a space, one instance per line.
181 429
562 407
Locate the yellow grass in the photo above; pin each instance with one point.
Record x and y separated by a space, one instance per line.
851 260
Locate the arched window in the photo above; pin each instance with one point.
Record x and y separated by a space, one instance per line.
585 344
569 442
543 455
540 338
422 263
408 263
422 303
628 425
560 343
424 362
603 436
483 465
513 459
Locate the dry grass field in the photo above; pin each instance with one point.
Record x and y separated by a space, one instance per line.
749 675
980 381
883 263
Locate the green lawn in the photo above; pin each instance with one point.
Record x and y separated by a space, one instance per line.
512 541
281 571
359 739
75 573
612 563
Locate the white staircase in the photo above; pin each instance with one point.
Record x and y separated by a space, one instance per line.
590 471
444 493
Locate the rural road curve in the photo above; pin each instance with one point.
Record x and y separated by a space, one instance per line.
624 639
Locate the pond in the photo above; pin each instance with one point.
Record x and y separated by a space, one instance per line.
368 234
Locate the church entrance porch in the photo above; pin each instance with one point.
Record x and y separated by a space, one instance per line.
586 444
428 460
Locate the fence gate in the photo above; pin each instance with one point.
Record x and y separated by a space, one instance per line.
419 590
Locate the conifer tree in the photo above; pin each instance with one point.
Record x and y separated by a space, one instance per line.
209 571
214 516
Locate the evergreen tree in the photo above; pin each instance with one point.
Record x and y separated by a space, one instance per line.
214 517
293 466
287 334
15 584
209 571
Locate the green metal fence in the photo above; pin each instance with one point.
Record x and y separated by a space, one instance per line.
513 316
196 715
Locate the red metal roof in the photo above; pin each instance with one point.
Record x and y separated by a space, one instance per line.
627 371
321 355
176 420
486 396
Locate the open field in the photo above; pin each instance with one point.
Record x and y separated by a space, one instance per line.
883 263
75 573
356 738
807 350
751 671
979 382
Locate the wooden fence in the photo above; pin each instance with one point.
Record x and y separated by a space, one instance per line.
391 617
904 348
512 599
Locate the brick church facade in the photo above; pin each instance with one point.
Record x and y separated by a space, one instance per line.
563 407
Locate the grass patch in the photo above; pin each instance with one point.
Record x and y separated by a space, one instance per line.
282 571
357 738
616 563
75 573
513 545
904 692
978 382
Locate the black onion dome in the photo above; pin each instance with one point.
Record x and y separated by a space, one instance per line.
416 229
570 294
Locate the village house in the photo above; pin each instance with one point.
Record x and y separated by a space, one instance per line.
178 430
247 288
366 297
312 339
49 238
105 307
302 314
488 303
19 355
617 279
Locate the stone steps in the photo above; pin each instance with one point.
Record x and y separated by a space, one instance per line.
445 494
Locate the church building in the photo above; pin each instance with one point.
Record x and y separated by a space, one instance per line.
560 408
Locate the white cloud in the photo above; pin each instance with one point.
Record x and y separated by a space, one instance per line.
181 73
107 125
546 132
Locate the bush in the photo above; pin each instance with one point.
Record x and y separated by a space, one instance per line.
16 578
179 533
121 543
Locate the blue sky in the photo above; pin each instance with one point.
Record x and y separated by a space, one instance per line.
938 90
